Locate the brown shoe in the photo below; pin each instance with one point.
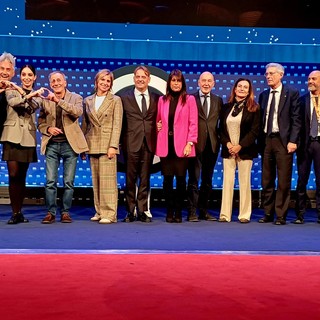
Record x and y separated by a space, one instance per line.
49 218
65 218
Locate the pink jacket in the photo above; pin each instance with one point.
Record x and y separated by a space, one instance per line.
185 126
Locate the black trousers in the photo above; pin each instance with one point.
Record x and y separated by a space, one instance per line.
304 161
201 166
277 164
138 171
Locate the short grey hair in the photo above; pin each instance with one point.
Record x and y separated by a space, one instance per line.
55 72
278 66
6 56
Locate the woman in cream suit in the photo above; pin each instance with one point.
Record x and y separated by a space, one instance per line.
101 126
177 122
239 124
19 137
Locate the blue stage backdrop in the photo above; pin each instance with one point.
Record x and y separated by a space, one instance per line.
81 72
80 49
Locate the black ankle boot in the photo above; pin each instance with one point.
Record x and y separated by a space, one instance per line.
169 217
178 217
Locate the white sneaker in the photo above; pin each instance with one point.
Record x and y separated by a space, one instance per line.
105 221
148 214
96 217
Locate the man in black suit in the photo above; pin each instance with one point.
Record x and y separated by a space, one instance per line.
207 149
309 148
139 143
281 125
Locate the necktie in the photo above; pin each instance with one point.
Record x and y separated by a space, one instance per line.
143 105
205 105
314 120
271 113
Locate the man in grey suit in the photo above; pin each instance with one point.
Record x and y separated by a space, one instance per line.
207 149
139 143
62 138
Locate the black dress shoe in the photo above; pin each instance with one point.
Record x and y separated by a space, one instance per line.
143 217
169 216
21 218
280 222
192 217
129 218
266 219
14 219
178 217
205 215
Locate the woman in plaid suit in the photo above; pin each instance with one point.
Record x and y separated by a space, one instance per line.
101 126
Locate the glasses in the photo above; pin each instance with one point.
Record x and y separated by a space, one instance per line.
270 73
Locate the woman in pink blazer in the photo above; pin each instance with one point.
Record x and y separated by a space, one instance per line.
177 122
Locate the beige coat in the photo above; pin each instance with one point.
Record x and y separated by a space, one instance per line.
71 111
102 128
20 127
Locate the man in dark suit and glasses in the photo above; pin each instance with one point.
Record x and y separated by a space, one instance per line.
207 149
281 125
309 148
139 143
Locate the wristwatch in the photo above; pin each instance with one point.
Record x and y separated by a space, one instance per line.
190 143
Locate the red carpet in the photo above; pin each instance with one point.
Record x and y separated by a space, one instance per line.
159 286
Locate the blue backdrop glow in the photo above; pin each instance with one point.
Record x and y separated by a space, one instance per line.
80 49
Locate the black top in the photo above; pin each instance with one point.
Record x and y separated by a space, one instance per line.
60 137
3 110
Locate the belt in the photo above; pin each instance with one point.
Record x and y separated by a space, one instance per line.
274 134
170 133
314 139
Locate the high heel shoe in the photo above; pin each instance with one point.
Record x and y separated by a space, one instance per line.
21 218
14 219
17 218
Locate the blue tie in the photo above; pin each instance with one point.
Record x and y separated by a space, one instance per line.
314 122
271 113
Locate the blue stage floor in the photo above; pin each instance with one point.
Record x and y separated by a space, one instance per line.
204 237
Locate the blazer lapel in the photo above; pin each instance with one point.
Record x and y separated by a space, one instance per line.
92 109
213 110
133 102
104 106
307 111
199 105
282 101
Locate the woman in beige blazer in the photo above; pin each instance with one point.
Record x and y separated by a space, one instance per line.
19 137
101 125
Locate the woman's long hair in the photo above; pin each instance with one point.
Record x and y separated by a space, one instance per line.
32 68
250 104
170 93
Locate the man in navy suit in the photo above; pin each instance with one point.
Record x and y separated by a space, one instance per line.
207 149
139 137
281 125
309 148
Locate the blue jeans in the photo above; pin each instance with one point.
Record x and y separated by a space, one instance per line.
56 151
